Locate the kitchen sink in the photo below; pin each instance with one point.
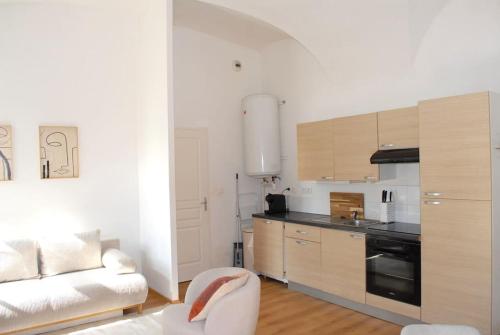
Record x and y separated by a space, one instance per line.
344 222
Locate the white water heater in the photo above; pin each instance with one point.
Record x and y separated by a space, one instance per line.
261 135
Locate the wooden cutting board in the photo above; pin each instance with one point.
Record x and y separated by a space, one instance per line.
343 204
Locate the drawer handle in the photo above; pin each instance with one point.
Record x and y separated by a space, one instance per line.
357 236
300 242
432 194
370 178
269 222
327 178
389 145
432 202
301 232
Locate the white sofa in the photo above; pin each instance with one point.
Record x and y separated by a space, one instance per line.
48 300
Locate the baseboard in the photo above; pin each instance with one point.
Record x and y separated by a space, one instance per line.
363 308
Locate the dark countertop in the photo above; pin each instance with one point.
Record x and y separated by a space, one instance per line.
401 230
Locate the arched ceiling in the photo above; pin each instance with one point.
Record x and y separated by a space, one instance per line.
405 48
226 23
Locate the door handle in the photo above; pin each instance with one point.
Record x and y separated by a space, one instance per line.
205 203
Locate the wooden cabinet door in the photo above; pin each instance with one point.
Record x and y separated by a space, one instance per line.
268 247
315 150
343 264
398 128
455 147
355 140
303 262
456 263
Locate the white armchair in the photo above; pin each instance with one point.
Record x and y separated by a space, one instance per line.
438 330
236 313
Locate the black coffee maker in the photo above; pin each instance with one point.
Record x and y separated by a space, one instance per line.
276 203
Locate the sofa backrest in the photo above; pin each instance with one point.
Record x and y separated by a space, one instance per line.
110 244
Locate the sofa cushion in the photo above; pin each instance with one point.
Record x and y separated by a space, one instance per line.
18 260
40 301
116 261
70 252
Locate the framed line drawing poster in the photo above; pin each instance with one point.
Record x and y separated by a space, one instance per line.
59 152
5 152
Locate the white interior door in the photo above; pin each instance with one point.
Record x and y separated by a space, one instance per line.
191 186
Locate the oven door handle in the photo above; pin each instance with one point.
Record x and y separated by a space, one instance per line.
373 257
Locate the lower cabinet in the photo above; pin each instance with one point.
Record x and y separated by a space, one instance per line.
303 262
457 263
343 264
268 248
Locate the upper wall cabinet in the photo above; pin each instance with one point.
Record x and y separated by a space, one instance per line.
455 147
315 150
355 140
398 128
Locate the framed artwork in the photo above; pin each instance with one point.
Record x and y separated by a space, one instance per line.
5 152
59 152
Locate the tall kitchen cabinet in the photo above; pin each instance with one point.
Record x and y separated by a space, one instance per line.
460 184
315 150
355 139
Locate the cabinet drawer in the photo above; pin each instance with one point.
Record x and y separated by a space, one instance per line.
303 232
303 262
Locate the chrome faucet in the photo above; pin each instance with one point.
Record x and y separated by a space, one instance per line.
354 215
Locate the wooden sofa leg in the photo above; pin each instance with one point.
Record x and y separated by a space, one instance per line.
139 309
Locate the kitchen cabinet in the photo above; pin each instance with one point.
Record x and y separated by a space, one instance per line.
343 264
398 128
303 262
268 247
455 147
457 263
355 140
303 232
315 150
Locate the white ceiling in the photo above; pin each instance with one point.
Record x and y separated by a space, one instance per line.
226 24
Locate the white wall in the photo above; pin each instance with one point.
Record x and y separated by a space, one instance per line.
155 150
293 74
364 57
101 66
208 94
67 64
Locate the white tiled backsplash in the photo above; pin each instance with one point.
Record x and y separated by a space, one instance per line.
314 197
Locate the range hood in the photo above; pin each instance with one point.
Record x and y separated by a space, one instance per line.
396 156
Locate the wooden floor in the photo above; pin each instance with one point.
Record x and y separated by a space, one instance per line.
153 300
287 312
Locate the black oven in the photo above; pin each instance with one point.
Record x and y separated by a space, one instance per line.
393 268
